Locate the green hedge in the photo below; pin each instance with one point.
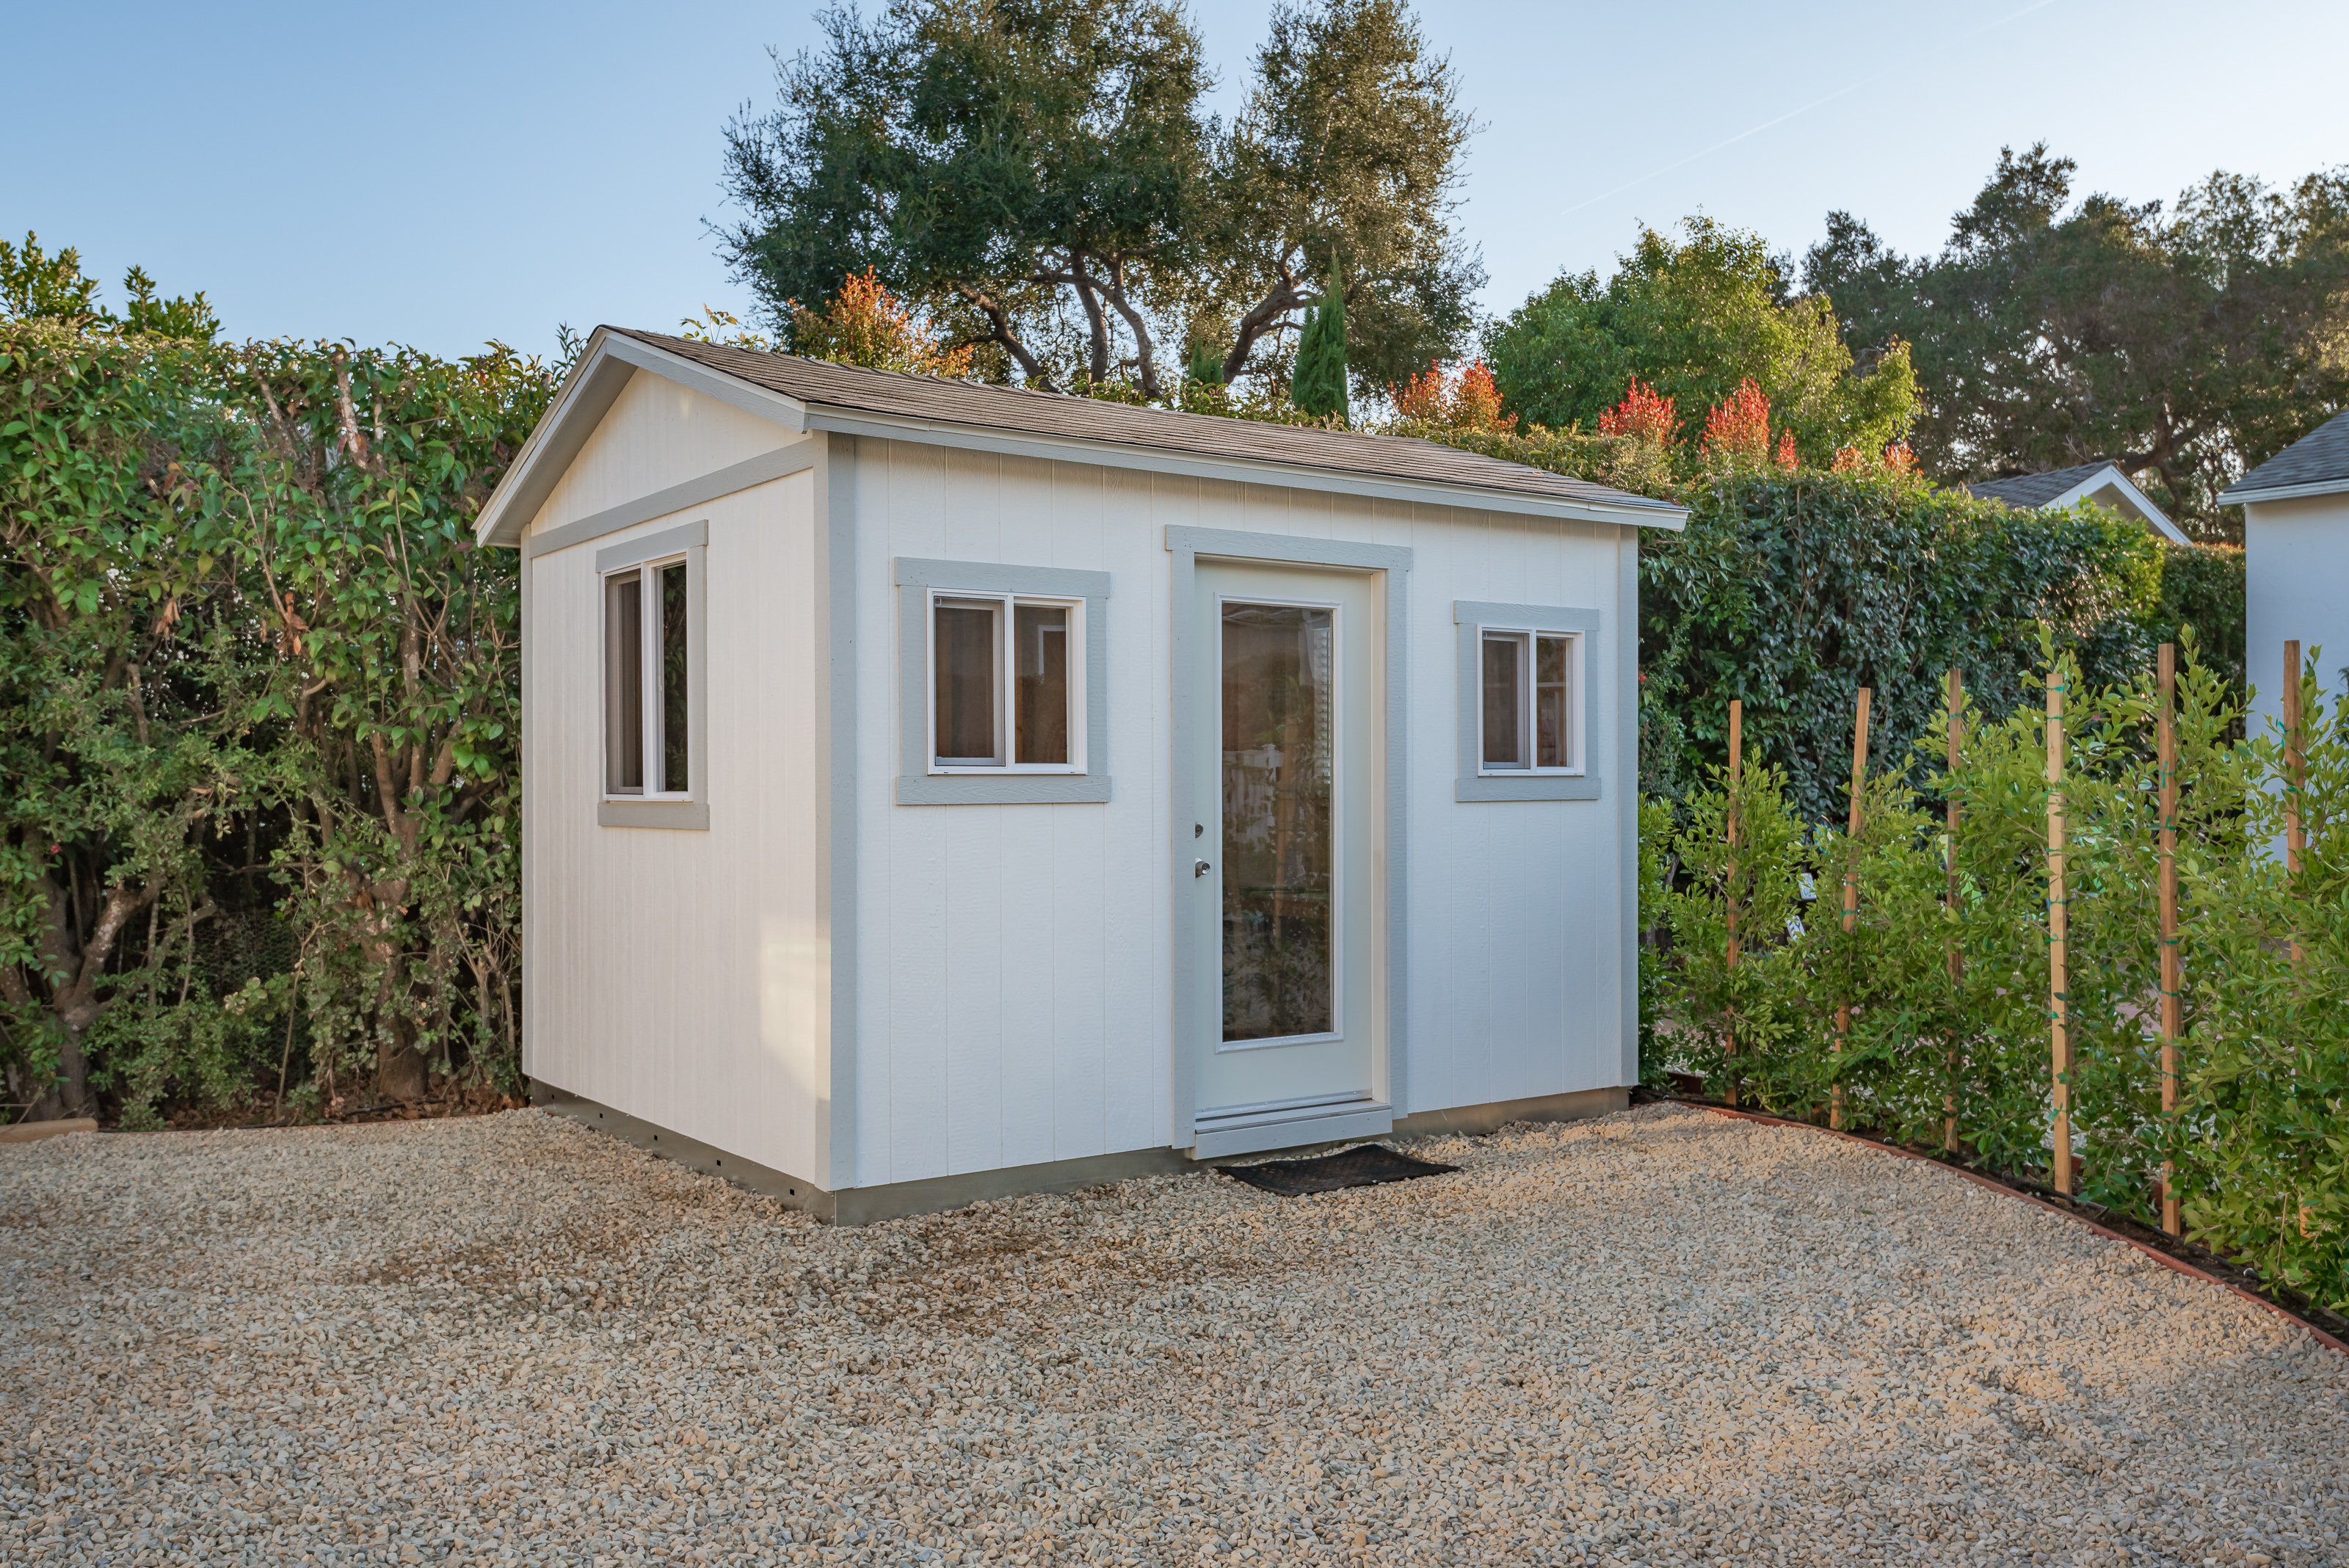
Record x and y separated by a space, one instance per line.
2261 1143
2202 587
1792 589
258 813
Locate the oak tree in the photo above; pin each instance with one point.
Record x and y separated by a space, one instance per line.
2182 342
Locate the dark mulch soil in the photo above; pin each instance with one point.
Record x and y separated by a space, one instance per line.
1365 1164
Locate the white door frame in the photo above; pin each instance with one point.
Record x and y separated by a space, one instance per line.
1392 563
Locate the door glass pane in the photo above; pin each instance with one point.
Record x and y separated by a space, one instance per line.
674 731
1502 696
624 684
963 637
1279 956
1039 642
1553 717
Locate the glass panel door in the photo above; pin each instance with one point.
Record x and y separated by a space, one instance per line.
1284 885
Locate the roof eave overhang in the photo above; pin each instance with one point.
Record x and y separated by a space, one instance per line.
605 365
2241 495
611 358
2138 499
1237 470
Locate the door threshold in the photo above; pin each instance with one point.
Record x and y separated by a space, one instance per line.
1255 1129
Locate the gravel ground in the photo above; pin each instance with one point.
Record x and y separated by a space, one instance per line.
1665 1337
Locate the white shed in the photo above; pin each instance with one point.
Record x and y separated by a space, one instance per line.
935 790
2101 483
2295 562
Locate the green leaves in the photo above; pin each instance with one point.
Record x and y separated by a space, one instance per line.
1046 180
1317 384
1793 591
254 672
1693 320
2184 342
2261 1143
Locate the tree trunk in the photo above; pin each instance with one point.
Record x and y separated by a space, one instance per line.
69 1095
74 1004
1261 321
400 1068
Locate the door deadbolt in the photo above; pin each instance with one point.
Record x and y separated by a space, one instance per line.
1198 868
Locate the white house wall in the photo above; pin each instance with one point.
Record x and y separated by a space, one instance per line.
682 976
2296 560
656 434
1013 961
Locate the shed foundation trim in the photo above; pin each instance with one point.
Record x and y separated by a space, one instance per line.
936 1195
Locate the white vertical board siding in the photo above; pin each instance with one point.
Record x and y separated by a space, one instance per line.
682 976
1011 958
656 434
1517 931
1013 961
2296 557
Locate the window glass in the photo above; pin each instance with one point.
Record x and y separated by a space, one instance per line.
624 683
1553 702
1279 956
673 732
963 640
1503 699
1040 635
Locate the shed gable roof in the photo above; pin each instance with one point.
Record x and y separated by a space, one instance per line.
816 394
2315 464
2083 481
2035 489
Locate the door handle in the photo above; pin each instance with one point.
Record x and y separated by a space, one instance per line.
1198 868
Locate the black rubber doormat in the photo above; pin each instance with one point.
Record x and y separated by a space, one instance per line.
1365 1164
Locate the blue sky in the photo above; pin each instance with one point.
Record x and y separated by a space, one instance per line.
441 175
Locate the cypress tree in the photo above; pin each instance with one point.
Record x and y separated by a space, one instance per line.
1206 365
1317 384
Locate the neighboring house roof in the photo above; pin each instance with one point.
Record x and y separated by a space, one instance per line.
2315 464
814 394
2102 482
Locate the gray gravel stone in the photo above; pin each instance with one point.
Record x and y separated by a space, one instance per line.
1663 1337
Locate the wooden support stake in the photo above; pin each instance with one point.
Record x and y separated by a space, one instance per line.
1728 891
1957 736
2294 838
1850 889
2058 926
2165 740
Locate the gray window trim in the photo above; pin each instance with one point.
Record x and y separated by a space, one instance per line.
1186 544
768 466
691 540
916 785
1626 799
652 546
1473 616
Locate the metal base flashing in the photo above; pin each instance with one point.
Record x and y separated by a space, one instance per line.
1474 1121
898 1199
1255 1131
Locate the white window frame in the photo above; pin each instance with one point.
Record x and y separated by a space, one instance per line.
1528 640
1580 780
645 558
1085 779
1006 684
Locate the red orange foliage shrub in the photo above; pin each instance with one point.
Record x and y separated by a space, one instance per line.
1641 414
1469 401
1737 429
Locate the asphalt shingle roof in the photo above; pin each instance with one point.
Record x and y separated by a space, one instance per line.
2320 457
2035 489
987 407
